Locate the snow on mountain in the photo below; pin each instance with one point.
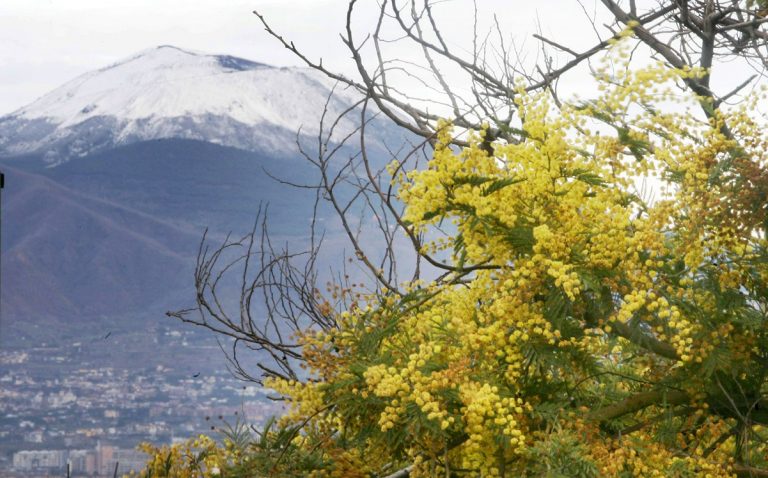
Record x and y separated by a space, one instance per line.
167 92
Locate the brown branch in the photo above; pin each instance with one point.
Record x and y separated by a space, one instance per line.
555 44
404 473
638 402
734 91
657 45
640 338
747 471
684 411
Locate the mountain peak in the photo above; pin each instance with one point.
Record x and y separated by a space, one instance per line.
173 47
171 52
170 56
164 81
164 52
170 92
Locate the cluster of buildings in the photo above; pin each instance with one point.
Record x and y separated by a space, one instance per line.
97 462
63 408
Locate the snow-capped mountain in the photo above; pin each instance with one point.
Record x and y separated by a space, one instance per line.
112 178
167 92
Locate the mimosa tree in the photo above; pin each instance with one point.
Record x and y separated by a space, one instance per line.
598 298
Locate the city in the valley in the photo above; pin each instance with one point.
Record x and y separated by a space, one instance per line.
82 408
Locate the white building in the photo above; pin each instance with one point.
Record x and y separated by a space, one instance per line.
36 459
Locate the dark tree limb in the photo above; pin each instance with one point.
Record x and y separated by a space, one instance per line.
637 402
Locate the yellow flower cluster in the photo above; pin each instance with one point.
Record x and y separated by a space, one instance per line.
199 457
306 397
654 461
485 410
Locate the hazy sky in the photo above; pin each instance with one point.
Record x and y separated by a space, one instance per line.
44 43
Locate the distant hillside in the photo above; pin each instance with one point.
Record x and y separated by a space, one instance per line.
70 256
195 183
